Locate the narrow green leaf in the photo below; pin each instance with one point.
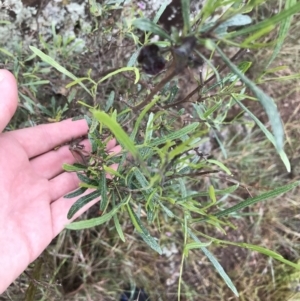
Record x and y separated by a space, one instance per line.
147 25
248 42
216 264
75 167
181 148
94 221
267 22
116 220
110 101
211 110
93 127
112 172
237 20
268 195
148 239
162 8
29 104
150 216
146 186
214 69
119 228
91 186
86 179
228 190
186 12
221 165
265 251
142 180
271 254
152 197
116 129
151 242
266 101
46 58
220 143
75 193
6 52
141 117
212 194
78 81
149 128
195 245
283 31
36 83
175 135
103 189
82 202
135 220
281 78
133 58
167 210
285 160
124 69
182 187
270 137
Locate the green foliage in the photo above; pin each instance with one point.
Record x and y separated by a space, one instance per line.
284 29
266 101
161 169
280 17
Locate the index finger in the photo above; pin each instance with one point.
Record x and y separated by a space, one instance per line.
43 138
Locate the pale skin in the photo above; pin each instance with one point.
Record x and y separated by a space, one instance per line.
32 184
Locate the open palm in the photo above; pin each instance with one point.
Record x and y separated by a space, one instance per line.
32 184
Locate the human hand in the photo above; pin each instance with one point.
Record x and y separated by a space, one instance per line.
32 184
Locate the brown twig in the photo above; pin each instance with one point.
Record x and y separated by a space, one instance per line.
156 89
240 52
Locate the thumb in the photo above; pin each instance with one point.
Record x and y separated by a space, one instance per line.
8 97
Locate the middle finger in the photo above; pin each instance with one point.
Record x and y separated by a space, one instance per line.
49 165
